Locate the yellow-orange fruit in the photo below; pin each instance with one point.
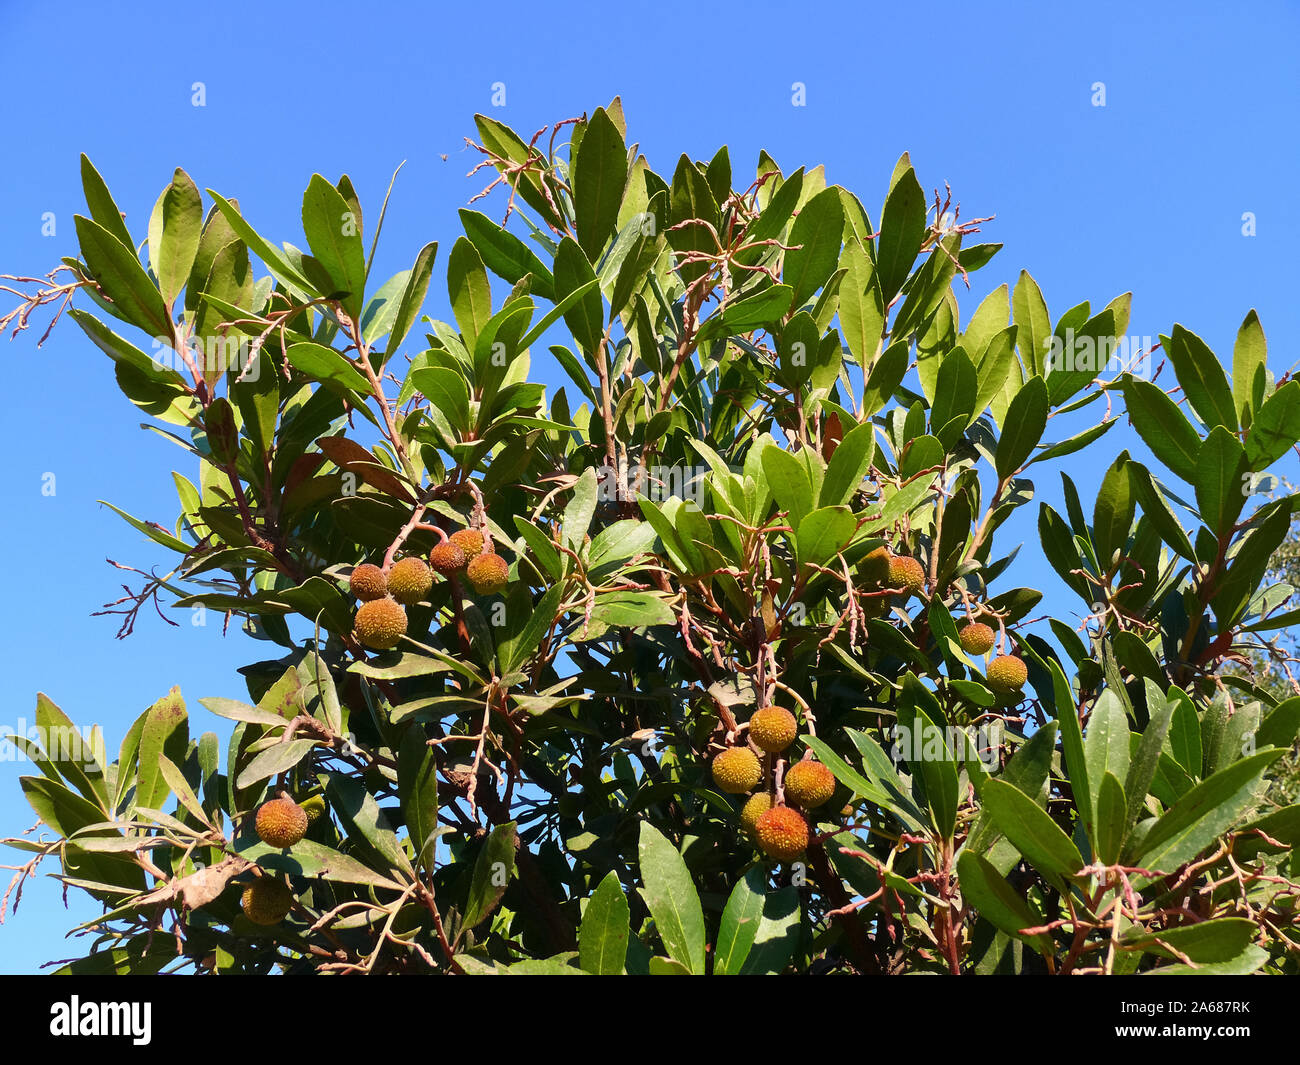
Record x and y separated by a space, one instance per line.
409 581
487 573
1007 673
809 784
280 822
368 582
447 558
468 540
773 728
380 624
976 638
875 567
755 807
782 833
736 770
906 573
267 901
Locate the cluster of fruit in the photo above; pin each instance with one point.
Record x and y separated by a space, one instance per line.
1006 674
780 831
381 618
279 823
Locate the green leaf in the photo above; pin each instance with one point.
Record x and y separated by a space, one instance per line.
1111 809
1163 428
1220 480
277 759
930 758
1276 428
1106 746
763 309
1203 814
580 509
124 281
333 229
1248 961
599 175
902 228
790 482
381 309
862 316
1023 427
954 397
1146 759
1157 509
778 934
1280 726
740 921
584 315
417 786
282 269
1185 736
470 291
174 233
1033 325
669 894
505 254
998 902
311 859
493 869
848 465
815 245
417 286
165 734
822 534
327 364
884 377
1249 368
100 203
1030 830
603 937
1112 514
1219 940
515 649
72 752
636 610
1201 375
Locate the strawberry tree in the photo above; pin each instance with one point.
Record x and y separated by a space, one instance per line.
723 657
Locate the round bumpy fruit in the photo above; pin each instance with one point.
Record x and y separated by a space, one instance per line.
468 540
755 807
782 833
487 573
380 624
773 728
410 581
368 582
1007 673
447 559
267 901
736 770
906 573
280 822
809 784
875 567
976 638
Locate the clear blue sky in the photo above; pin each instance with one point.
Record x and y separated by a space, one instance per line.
1145 194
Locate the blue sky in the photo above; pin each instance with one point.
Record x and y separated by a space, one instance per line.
1144 194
